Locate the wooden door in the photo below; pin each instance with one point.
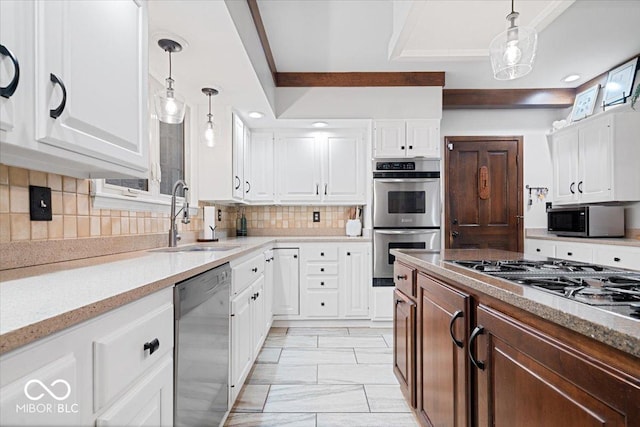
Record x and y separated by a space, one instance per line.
404 357
483 187
528 379
441 354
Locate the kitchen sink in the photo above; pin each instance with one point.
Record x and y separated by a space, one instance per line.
197 248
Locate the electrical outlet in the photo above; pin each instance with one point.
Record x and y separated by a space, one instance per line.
219 214
40 203
316 216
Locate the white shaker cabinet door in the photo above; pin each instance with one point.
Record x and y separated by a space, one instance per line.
344 170
389 136
423 138
298 167
355 279
286 282
565 152
91 83
596 151
259 176
241 340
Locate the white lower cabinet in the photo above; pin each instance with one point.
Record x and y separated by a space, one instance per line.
603 254
335 280
269 263
382 304
241 342
248 326
98 372
286 282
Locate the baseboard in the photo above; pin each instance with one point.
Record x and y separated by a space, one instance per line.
331 323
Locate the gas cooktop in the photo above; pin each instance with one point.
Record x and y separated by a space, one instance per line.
609 288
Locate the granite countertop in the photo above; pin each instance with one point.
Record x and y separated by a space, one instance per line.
612 329
41 300
543 234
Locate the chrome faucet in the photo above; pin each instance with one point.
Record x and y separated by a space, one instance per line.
173 230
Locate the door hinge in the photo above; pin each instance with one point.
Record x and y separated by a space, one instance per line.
450 146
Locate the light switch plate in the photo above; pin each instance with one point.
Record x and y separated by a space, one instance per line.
40 203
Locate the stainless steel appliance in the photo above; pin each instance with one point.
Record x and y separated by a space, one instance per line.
406 211
201 355
611 289
586 221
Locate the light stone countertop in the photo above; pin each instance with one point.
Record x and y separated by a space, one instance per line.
38 301
543 234
612 329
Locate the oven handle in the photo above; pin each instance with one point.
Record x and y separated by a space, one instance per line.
406 179
406 231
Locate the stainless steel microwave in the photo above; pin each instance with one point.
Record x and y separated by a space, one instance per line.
586 221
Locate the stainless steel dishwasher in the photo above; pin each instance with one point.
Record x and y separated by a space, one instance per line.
201 355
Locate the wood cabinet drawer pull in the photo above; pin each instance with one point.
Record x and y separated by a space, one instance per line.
401 277
152 346
456 315
478 330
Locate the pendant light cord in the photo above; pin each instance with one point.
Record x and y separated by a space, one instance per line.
170 62
512 1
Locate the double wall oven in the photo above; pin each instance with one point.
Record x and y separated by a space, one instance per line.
406 211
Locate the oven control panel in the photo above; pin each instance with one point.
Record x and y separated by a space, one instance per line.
395 166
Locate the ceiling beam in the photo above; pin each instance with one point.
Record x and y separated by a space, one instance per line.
360 79
507 98
262 34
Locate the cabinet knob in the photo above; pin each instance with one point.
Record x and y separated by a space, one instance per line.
295 256
402 147
321 253
254 269
348 253
616 259
152 346
322 304
537 249
569 253
321 283
322 269
411 147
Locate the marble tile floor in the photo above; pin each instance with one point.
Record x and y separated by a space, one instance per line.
323 377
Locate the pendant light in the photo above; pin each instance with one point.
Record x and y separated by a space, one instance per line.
208 134
169 105
512 52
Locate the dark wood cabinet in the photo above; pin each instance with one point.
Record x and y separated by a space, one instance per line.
404 356
526 378
441 354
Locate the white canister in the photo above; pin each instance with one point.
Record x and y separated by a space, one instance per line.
354 227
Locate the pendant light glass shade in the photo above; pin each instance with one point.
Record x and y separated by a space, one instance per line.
208 131
169 105
512 52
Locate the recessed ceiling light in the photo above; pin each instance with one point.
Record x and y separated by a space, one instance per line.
256 115
319 124
571 78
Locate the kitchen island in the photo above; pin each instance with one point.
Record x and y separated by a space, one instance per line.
471 349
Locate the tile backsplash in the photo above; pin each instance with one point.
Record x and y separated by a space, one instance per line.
73 214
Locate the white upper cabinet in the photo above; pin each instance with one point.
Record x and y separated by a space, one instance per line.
298 167
407 138
238 144
343 169
259 172
595 160
325 167
87 76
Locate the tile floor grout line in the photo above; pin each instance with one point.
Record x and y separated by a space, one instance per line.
364 390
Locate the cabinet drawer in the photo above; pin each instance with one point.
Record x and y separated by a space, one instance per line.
540 247
322 283
575 252
120 357
618 257
322 303
322 269
404 279
246 273
322 253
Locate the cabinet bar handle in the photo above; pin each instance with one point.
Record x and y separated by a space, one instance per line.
237 185
580 187
401 277
152 346
248 187
9 89
478 330
571 188
325 189
55 113
317 189
457 314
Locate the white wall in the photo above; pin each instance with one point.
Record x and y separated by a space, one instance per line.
533 126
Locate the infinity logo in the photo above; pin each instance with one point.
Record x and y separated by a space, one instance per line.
51 393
